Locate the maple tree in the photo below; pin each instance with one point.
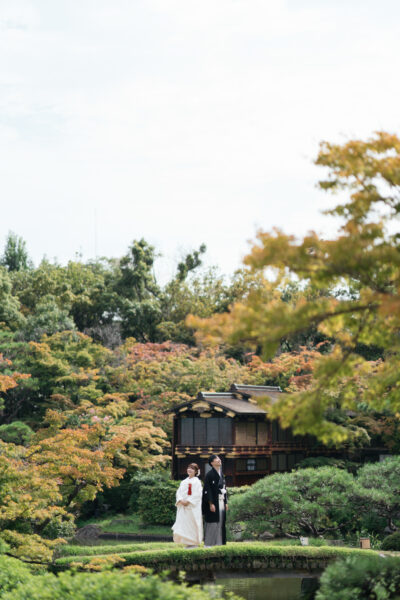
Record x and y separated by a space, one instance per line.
82 446
359 269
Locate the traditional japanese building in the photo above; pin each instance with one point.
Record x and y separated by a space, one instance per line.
233 426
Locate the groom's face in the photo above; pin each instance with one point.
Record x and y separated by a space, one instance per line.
216 463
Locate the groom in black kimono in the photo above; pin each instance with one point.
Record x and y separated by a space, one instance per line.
214 504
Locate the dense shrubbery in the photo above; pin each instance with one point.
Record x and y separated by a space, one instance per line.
12 572
310 501
236 491
315 462
59 528
17 432
322 501
357 578
105 586
156 502
392 542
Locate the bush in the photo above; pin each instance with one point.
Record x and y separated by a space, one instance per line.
379 485
106 586
123 498
392 542
236 491
309 501
357 578
314 462
156 502
16 433
12 572
57 528
141 478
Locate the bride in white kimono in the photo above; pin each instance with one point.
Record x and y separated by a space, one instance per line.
188 527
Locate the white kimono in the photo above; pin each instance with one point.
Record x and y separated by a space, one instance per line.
188 527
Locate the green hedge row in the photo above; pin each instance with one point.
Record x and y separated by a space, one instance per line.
234 554
156 502
72 550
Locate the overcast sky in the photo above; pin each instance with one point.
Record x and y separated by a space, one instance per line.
182 121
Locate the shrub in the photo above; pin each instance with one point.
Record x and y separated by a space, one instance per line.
357 578
156 503
12 572
16 433
379 485
106 586
57 528
141 478
314 462
392 542
236 491
308 501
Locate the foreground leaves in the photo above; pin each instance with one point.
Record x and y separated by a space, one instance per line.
353 291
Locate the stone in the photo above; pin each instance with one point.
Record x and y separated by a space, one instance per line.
257 564
89 532
267 535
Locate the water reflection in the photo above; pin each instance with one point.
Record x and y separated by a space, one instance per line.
270 588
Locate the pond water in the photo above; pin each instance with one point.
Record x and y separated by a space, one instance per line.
295 587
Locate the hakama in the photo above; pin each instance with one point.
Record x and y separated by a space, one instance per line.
213 532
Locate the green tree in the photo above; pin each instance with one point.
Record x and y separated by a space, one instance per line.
10 314
379 489
15 256
48 318
308 501
139 294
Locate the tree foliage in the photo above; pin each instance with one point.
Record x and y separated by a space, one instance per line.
15 257
358 273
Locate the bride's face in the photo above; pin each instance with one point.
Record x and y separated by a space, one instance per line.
191 472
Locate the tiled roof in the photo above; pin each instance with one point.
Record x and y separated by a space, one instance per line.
251 391
229 401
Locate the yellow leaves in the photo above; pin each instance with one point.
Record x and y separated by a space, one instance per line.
26 494
136 569
101 563
8 382
351 291
30 547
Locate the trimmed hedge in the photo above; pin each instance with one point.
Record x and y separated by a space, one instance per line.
72 550
156 502
106 586
249 556
392 542
360 577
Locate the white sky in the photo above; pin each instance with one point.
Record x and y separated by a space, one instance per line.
182 121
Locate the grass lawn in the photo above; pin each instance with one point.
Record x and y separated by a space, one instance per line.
127 524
